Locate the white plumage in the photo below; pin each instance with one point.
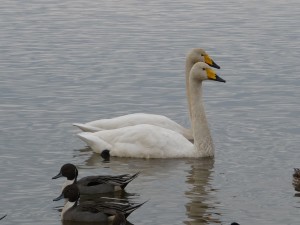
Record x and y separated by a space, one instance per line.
196 55
149 141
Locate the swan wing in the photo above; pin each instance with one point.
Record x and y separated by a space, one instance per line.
135 119
142 141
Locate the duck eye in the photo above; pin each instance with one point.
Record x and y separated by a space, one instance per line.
203 68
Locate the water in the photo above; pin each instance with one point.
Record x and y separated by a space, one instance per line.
76 61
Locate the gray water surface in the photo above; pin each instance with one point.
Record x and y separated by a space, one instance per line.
75 61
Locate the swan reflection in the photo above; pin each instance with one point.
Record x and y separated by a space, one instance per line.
171 185
201 208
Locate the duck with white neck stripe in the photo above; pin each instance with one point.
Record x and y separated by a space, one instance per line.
90 211
94 184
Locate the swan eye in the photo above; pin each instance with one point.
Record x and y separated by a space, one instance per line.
203 68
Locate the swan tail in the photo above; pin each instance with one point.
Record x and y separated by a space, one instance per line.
86 128
96 143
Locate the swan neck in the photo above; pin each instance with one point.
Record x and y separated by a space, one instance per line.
202 137
188 66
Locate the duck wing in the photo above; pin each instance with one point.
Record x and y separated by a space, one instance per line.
119 180
109 208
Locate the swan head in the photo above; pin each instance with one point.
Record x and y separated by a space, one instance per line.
201 71
199 55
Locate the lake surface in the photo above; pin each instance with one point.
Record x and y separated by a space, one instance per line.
76 61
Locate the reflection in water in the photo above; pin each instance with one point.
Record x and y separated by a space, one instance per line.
122 198
94 161
201 208
83 223
147 167
117 196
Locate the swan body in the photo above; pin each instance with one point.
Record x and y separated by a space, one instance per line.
149 141
196 55
140 141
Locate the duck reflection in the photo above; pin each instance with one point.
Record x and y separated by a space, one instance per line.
99 223
96 209
201 209
157 174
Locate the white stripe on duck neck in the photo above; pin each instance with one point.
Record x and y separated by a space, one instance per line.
66 207
66 183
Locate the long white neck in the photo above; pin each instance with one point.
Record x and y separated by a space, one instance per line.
188 66
66 207
202 139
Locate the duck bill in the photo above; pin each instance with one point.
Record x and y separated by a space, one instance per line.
211 62
59 197
57 176
219 79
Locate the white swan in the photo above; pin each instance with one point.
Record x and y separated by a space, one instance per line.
149 141
195 55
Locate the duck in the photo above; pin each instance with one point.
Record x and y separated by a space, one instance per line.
150 141
90 211
94 184
296 179
195 55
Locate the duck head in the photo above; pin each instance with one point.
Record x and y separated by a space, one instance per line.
67 170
